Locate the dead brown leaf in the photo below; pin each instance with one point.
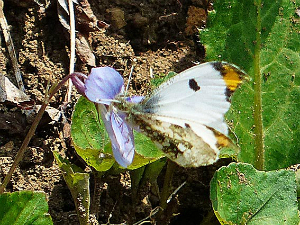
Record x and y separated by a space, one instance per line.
84 50
10 93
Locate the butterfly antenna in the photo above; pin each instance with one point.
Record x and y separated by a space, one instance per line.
129 79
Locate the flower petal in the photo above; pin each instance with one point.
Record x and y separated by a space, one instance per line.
123 148
120 134
78 79
103 84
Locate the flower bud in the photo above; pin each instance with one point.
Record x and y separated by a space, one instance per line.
78 79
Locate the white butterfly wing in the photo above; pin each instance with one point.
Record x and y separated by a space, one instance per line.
199 94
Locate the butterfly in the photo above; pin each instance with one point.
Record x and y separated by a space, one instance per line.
184 116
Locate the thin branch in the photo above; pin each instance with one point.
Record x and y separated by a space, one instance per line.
145 220
10 48
175 192
129 80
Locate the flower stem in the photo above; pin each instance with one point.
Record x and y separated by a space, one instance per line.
30 133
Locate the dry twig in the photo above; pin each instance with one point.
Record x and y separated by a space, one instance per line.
72 47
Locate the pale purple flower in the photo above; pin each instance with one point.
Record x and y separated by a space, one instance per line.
102 86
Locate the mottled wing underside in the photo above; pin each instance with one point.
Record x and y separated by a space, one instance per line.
181 143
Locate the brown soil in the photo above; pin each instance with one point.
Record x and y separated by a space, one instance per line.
151 35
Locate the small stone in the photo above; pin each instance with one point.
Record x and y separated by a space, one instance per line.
117 18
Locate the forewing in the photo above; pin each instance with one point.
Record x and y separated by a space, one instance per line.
197 95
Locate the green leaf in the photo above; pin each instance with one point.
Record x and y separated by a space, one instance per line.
140 161
89 136
242 195
153 170
159 79
263 38
87 128
78 184
135 177
146 173
24 207
297 173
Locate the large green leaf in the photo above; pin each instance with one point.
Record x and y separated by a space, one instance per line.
87 130
242 195
24 207
263 38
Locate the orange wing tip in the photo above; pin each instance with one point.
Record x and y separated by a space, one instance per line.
232 75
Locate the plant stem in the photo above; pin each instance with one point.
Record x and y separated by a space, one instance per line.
21 151
30 134
259 142
98 189
167 184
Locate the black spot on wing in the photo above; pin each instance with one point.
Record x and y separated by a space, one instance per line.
194 85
